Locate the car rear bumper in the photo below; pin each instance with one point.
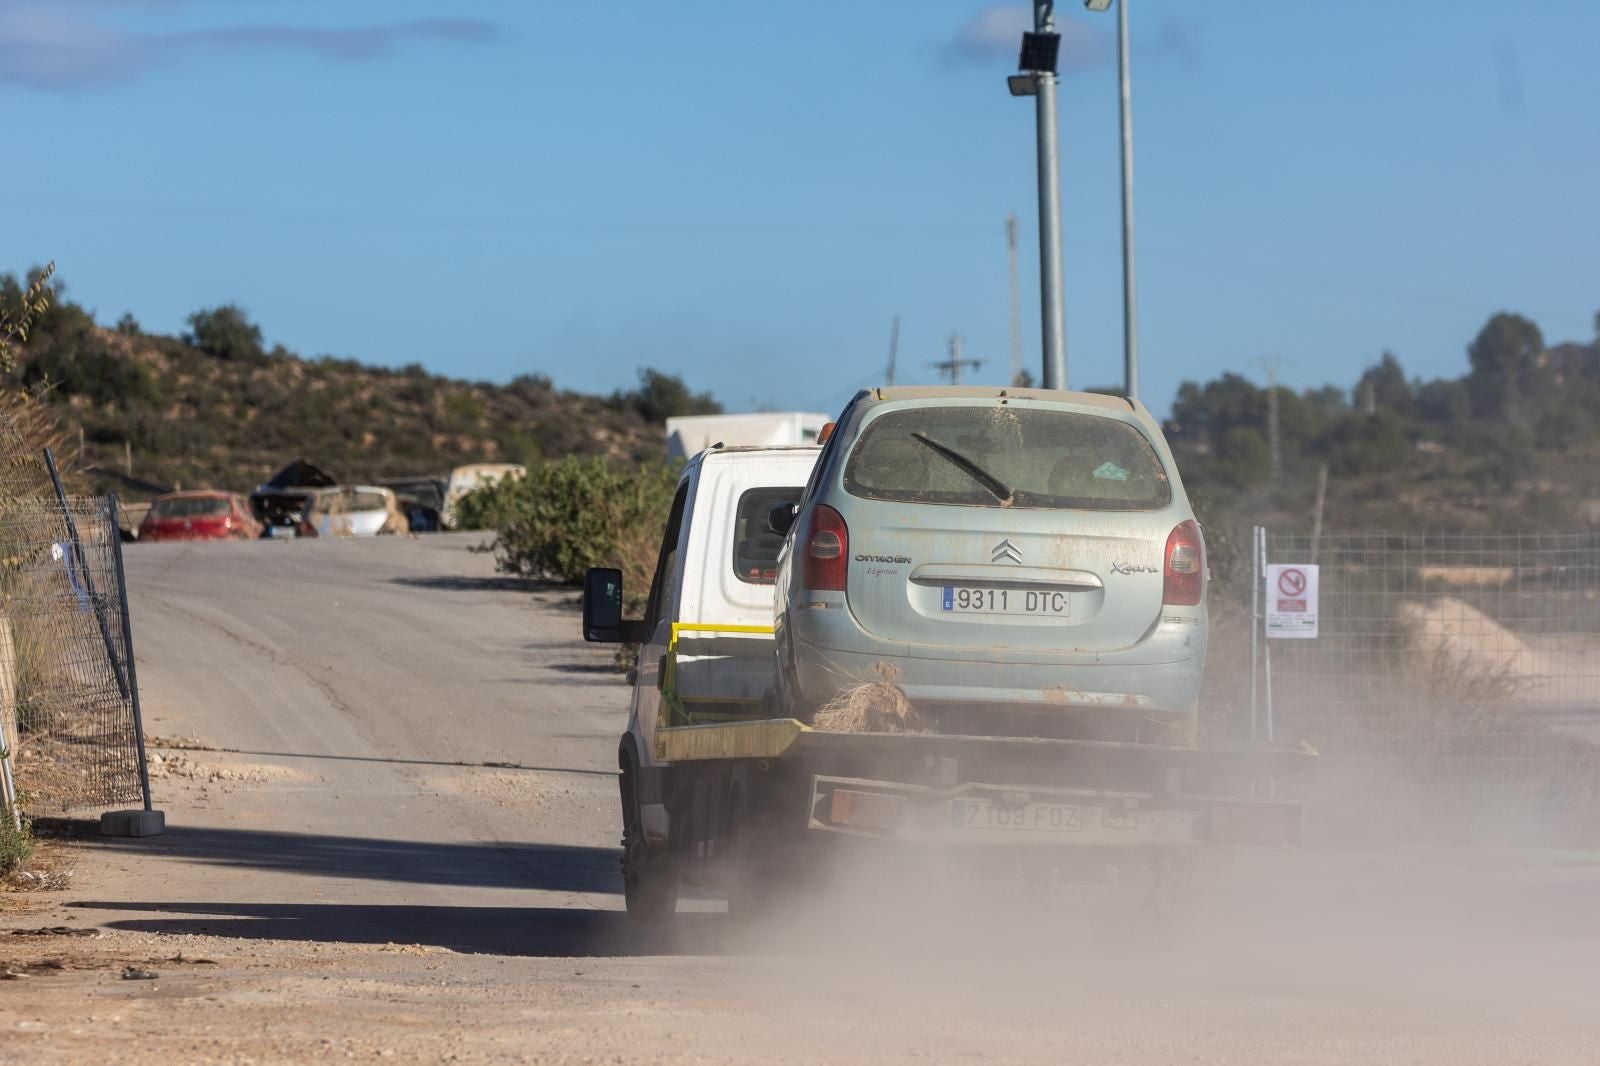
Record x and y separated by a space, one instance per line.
1162 674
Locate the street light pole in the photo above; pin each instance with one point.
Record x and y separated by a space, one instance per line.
1130 316
1049 160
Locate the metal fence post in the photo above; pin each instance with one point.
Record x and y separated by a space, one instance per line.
127 647
82 565
1266 650
1255 621
8 700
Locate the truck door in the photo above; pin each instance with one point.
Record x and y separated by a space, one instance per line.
660 612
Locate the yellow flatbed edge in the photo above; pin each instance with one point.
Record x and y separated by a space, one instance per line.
767 738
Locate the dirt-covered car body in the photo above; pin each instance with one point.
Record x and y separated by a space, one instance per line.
996 550
353 511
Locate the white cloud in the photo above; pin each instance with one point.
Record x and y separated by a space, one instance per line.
994 36
63 46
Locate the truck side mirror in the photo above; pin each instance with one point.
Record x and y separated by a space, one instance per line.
602 606
781 518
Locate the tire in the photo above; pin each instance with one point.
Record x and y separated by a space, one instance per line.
649 882
649 885
789 703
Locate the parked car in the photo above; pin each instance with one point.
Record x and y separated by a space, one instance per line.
463 479
281 511
344 511
422 501
280 503
1007 550
202 515
352 511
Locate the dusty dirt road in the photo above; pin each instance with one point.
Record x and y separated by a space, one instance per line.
388 775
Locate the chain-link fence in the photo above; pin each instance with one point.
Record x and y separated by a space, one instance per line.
1453 687
68 694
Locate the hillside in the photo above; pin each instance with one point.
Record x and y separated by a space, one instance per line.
1511 444
216 409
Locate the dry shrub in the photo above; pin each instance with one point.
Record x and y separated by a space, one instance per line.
870 707
1438 696
27 428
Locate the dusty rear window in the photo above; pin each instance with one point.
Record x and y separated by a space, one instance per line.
366 501
755 546
989 456
190 507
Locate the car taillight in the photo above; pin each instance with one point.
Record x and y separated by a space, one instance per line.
827 550
1184 566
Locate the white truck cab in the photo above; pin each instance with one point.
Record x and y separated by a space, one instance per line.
705 642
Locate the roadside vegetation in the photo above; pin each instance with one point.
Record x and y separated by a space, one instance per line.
1509 446
566 516
217 406
16 844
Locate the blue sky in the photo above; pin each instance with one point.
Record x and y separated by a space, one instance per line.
747 193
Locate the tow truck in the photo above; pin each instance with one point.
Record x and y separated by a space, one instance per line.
721 791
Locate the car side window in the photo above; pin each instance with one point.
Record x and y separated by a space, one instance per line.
668 556
829 450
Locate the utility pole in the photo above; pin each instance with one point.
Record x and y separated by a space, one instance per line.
1040 50
1016 300
894 349
951 367
1130 316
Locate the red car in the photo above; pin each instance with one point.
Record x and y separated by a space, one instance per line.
199 516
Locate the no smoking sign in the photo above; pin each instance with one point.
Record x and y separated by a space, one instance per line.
1292 601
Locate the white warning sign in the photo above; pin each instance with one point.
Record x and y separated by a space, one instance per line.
1292 601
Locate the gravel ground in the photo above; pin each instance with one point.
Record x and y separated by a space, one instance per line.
388 776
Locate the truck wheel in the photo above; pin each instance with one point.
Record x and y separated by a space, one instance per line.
649 882
649 885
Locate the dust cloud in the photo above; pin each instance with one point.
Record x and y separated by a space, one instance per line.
1458 955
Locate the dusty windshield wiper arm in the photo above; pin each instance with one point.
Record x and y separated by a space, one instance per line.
996 487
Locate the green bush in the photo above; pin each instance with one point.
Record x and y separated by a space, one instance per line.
564 517
16 845
226 332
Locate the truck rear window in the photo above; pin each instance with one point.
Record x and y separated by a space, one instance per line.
755 546
991 456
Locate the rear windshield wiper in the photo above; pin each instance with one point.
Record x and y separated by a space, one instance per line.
996 487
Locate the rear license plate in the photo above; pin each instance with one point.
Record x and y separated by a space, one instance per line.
1034 603
282 531
1029 817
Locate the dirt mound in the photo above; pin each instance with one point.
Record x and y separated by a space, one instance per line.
873 707
1456 631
